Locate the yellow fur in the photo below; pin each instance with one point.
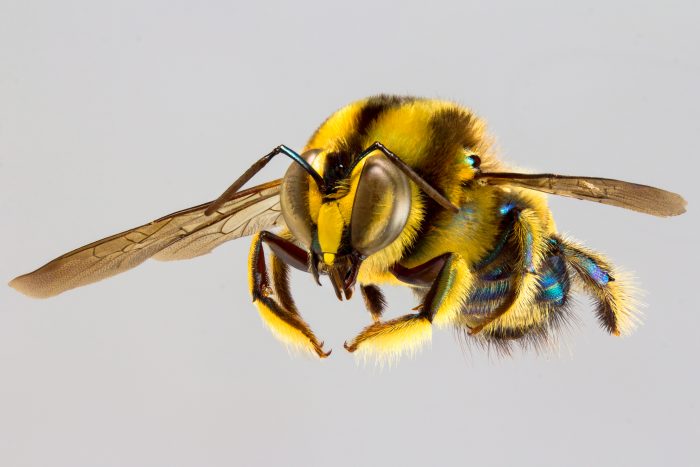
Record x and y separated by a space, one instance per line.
627 309
283 331
520 314
341 123
470 233
411 126
621 293
405 337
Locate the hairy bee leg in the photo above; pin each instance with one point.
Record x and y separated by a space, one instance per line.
255 168
280 283
529 240
286 324
441 305
613 304
374 301
422 275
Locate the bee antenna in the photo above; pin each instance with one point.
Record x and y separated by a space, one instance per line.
409 172
255 168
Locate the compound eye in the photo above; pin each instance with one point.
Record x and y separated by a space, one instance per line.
294 200
381 208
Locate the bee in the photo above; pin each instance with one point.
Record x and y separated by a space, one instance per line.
394 191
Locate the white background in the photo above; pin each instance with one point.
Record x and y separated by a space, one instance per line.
114 113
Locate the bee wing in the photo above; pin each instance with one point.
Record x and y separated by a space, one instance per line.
180 235
641 198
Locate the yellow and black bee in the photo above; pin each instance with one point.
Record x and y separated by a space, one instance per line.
402 191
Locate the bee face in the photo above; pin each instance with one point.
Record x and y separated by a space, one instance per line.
363 209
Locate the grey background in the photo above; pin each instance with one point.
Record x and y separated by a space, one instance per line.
112 114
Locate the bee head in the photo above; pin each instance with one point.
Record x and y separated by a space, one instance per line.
361 210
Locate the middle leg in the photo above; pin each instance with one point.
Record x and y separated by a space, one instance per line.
440 305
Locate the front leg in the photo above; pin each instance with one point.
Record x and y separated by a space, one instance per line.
283 319
441 305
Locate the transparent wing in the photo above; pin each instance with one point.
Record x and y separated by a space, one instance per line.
180 235
641 198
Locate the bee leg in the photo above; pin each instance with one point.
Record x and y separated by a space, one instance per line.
515 312
284 321
614 307
280 283
441 305
374 301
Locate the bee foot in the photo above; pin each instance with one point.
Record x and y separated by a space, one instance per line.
319 351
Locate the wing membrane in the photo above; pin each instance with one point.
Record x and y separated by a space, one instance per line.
180 235
641 198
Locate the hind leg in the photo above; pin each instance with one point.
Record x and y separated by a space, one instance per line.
512 315
613 304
